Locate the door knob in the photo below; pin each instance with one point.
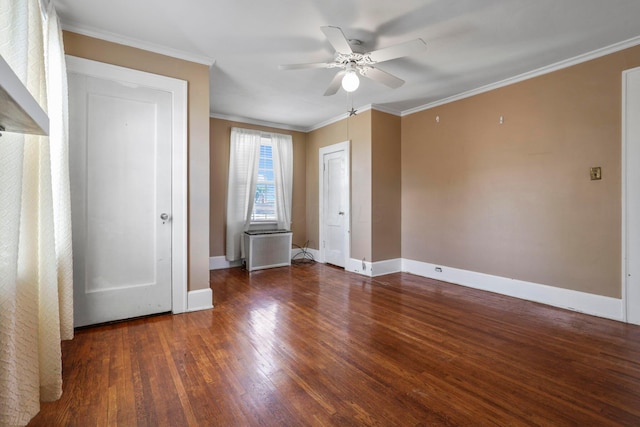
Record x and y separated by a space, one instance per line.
340 213
164 216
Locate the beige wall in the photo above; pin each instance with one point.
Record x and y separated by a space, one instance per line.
515 200
219 152
197 76
512 200
357 129
385 186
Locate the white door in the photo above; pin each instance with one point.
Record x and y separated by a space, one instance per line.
120 167
335 204
631 135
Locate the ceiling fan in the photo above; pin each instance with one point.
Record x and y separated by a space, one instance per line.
351 62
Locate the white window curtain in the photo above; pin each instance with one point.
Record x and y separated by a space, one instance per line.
36 287
283 168
244 155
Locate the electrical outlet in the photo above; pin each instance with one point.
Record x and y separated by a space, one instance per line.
596 173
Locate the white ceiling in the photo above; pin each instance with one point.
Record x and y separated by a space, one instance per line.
470 44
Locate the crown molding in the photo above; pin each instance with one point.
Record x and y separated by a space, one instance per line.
258 122
387 110
361 109
342 116
139 44
511 80
328 122
521 77
530 74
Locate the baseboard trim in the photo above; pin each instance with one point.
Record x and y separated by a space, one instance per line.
595 305
201 299
389 266
582 302
220 262
360 267
374 269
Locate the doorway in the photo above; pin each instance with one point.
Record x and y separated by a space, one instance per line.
631 195
335 212
127 140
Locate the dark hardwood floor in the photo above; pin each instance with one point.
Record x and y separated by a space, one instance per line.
312 345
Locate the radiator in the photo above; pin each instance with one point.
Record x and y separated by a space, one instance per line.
266 249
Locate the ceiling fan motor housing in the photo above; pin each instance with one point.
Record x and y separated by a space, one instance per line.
355 60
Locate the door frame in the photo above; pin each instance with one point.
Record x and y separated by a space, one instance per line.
629 188
345 147
178 90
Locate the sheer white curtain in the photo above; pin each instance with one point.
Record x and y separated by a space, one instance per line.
35 237
283 167
58 110
244 155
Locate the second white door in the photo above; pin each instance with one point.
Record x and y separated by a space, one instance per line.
335 204
120 168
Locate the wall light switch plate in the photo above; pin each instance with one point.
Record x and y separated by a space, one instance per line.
596 173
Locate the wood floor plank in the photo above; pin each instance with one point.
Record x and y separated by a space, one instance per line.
313 345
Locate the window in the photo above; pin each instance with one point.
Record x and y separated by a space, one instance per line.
260 185
264 205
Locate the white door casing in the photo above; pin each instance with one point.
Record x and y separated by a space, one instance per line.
631 195
334 204
129 260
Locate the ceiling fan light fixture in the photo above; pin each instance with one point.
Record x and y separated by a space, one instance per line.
350 81
351 59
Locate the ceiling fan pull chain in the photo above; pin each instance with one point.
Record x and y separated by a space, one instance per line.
352 111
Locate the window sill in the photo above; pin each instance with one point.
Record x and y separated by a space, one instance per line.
263 225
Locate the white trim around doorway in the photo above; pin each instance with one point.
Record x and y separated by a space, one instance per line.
178 90
341 146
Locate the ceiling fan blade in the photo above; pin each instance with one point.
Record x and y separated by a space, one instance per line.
335 84
303 66
382 77
337 39
398 50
